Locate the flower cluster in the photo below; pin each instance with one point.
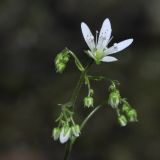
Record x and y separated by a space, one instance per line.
125 112
66 132
67 128
99 51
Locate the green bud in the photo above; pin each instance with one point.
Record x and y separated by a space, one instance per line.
114 99
66 128
122 120
56 133
61 60
126 108
112 88
60 67
76 130
91 92
132 115
65 134
66 57
88 101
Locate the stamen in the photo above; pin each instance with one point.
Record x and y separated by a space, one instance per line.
109 40
96 38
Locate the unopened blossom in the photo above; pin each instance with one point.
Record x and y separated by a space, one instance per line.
61 61
88 101
122 120
65 134
98 46
132 115
114 98
76 130
56 133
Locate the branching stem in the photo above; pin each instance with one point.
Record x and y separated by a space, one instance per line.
73 102
79 84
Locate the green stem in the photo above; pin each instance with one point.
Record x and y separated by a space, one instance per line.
79 84
77 62
68 150
77 89
89 116
70 143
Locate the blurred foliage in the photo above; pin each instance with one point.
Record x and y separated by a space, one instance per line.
32 33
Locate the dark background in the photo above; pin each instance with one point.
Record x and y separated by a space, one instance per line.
32 33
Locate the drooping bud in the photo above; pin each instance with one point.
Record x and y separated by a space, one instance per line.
88 101
91 92
126 107
114 99
56 133
132 115
122 120
76 130
60 67
65 134
61 61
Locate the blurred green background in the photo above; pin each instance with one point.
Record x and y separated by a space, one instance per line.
32 33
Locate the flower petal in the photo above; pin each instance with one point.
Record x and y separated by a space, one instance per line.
88 36
64 136
105 34
109 59
117 47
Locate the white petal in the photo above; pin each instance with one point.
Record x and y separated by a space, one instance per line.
88 36
64 137
105 34
117 47
109 59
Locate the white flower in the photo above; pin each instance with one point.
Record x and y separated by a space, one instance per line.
99 50
64 135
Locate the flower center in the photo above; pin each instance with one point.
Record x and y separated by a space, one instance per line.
98 55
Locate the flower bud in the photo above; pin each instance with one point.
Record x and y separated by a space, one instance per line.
60 67
91 92
88 101
132 115
56 133
114 99
126 108
61 60
76 130
65 134
122 120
